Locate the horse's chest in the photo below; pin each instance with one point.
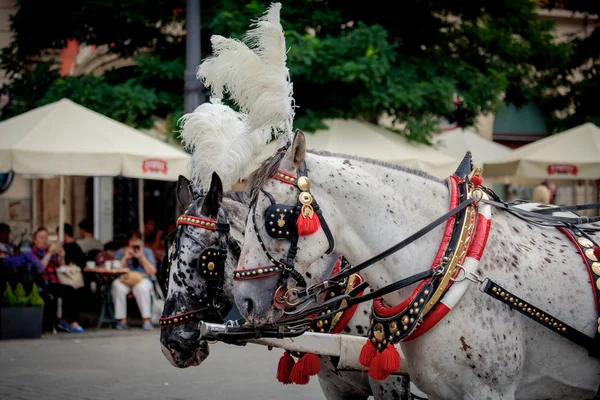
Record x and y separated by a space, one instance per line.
484 345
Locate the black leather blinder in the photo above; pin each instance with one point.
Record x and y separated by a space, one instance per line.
211 263
280 221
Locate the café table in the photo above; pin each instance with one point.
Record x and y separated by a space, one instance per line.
105 277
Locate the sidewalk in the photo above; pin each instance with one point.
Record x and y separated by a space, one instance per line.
112 365
104 332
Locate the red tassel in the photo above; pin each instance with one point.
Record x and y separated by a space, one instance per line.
597 252
306 367
367 354
284 368
311 366
476 180
390 359
308 221
376 371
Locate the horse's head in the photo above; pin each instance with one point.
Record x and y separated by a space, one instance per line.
200 262
274 233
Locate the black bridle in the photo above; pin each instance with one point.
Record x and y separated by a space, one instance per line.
280 224
210 265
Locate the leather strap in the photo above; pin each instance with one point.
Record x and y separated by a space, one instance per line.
541 216
548 210
538 315
352 300
404 242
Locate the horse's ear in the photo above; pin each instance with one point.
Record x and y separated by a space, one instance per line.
296 154
214 197
184 194
239 186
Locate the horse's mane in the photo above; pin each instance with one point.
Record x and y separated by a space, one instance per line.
259 176
237 215
238 197
396 167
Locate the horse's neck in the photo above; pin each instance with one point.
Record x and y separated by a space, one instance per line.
371 207
237 213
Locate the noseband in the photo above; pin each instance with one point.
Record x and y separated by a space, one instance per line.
210 265
280 224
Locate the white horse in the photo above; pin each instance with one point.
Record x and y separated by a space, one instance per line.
482 349
187 285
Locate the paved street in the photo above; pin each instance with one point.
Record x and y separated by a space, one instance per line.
116 365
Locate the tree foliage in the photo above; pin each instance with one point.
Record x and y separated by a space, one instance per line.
579 77
411 59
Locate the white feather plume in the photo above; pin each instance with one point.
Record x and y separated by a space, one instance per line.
255 74
213 131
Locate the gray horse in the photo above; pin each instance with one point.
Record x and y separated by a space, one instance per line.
187 294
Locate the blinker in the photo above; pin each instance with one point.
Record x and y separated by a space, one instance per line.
280 221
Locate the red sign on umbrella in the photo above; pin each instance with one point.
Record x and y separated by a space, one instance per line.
562 169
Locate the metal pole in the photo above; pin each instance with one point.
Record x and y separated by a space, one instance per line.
62 211
96 207
193 95
141 207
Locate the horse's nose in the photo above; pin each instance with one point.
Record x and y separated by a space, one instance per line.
174 345
248 306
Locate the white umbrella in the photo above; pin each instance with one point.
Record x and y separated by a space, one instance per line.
364 139
572 155
457 142
66 139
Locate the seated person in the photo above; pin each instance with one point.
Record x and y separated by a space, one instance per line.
73 253
47 259
6 249
139 259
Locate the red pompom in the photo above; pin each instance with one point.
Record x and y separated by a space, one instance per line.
311 365
307 222
476 180
390 359
375 369
597 252
367 354
306 367
298 378
284 368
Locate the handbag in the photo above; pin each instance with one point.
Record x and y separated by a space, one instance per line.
158 302
70 275
131 278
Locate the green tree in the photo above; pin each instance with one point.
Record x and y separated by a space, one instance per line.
410 60
576 102
136 96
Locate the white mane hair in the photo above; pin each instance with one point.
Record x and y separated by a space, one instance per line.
254 73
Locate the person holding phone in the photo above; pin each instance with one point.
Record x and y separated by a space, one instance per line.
138 259
47 259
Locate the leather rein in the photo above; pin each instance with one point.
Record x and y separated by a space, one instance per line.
300 301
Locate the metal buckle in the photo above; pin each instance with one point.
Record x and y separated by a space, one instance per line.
471 276
286 297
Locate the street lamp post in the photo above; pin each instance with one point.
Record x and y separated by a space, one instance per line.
193 95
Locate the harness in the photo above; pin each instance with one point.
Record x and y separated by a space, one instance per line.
467 228
280 223
210 265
